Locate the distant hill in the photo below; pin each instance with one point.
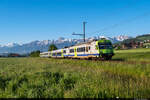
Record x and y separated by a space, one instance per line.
140 38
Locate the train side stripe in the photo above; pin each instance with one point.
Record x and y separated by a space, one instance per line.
82 55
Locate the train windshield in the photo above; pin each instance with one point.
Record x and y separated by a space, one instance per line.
105 46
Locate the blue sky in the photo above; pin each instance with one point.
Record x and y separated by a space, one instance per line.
23 21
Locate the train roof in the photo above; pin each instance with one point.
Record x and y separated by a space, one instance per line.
80 44
101 40
104 41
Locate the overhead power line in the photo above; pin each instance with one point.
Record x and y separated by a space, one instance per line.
121 23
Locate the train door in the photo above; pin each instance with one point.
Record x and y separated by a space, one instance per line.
75 52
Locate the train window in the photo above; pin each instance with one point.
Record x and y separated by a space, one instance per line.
64 51
59 54
82 49
54 54
105 46
105 43
101 47
78 49
71 50
46 53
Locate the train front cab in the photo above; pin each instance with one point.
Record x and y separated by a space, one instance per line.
105 49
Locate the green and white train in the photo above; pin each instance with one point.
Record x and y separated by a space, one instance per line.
90 50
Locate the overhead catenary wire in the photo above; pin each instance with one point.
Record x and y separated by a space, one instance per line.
121 23
103 30
124 7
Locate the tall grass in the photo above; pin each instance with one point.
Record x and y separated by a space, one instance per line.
127 75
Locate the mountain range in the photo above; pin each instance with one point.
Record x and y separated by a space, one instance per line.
44 44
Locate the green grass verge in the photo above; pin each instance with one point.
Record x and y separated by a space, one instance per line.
127 75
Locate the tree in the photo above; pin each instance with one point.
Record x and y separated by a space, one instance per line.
35 53
52 47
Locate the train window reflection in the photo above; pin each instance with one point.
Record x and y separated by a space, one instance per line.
105 46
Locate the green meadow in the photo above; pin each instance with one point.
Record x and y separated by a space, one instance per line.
127 75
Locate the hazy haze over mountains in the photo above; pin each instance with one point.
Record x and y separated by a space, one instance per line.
44 44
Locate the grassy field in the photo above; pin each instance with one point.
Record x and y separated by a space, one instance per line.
127 75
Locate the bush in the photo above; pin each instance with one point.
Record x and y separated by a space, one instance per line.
35 53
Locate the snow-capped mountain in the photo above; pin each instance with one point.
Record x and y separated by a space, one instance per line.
116 39
44 44
121 37
10 45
